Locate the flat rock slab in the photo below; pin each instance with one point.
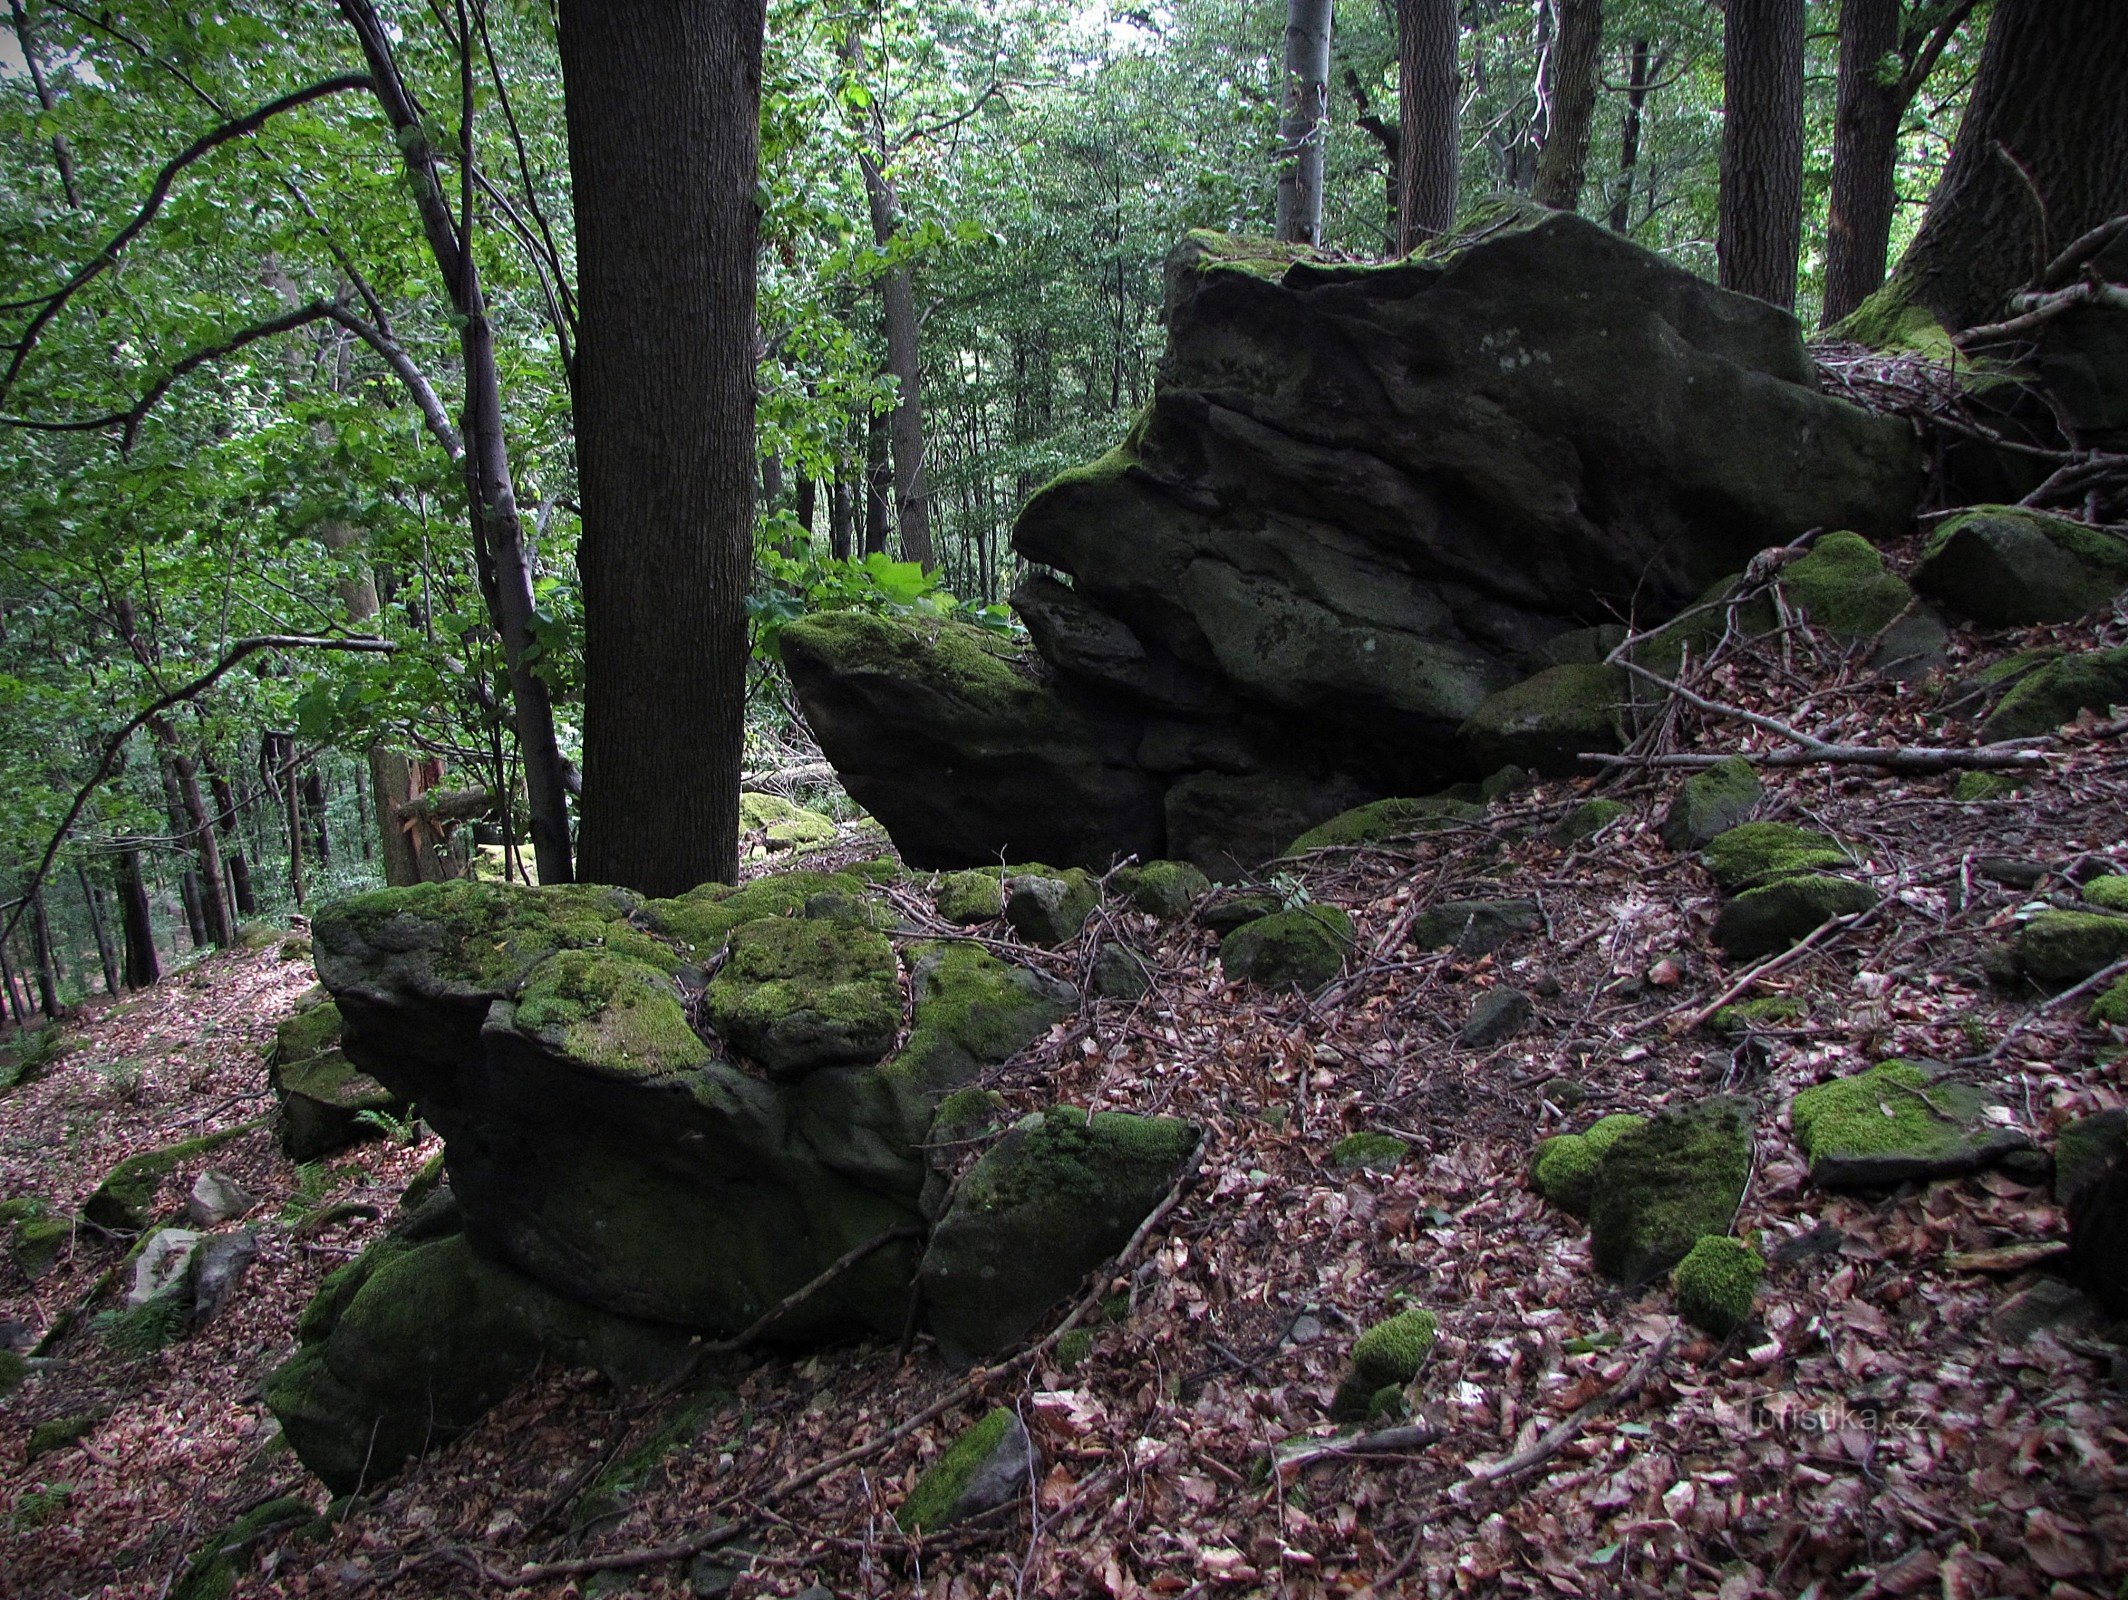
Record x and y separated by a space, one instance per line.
1899 1123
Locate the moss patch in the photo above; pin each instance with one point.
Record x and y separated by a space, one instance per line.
1763 921
1565 1166
1893 320
2112 1006
125 1201
1663 1186
2066 947
702 919
1164 889
1305 947
798 995
1758 852
935 1500
2091 680
775 824
1891 1124
1387 819
1545 722
610 1012
2109 893
1368 1149
968 897
1745 1015
1711 803
485 937
1843 586
310 1030
1716 1284
1387 1356
1976 786
1589 818
212 1571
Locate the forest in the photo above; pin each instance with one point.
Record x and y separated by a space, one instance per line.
814 797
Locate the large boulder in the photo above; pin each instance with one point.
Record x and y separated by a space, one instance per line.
1363 504
2005 566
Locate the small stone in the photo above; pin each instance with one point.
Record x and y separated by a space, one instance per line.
1238 908
2011 871
987 1466
1050 911
1387 1355
1895 1124
222 1262
2059 948
2006 566
1500 1014
1755 853
1665 1185
713 1574
161 1265
1565 1093
2082 1152
1164 889
1306 948
1716 1284
1119 973
217 1198
2047 1306
1475 927
1765 921
965 898
59 1434
1710 803
1587 819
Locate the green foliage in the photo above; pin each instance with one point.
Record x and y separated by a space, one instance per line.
139 1331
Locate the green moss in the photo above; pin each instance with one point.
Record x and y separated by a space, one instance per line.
703 918
1976 786
1768 919
1386 819
1386 1356
968 897
2065 947
310 1030
1589 818
1893 321
1891 1109
1073 1349
783 824
1665 1184
424 1183
1368 1149
486 936
38 1241
124 1202
2112 1006
12 1371
1307 947
1711 803
971 1010
937 1495
2085 1151
1546 722
2109 893
1844 586
1716 1284
799 995
58 1434
1759 852
1565 1166
879 870
2091 680
1049 907
212 1572
1746 1015
1062 1157
610 1012
341 1285
965 1114
1165 889
985 671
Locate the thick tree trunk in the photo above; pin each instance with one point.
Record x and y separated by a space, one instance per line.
106 956
1638 77
663 100
1304 122
805 499
1429 146
144 965
314 809
1865 156
1761 231
47 965
2041 158
1562 169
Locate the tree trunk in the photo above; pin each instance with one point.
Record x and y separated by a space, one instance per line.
1304 122
106 956
839 512
241 893
144 965
1760 237
1429 147
663 100
2047 113
805 498
314 808
188 884
1638 76
1563 167
33 58
47 967
897 298
1865 156
18 1000
879 488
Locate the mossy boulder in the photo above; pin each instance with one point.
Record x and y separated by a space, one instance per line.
2059 948
801 994
1758 852
771 825
322 1096
2108 893
1052 1200
1564 1170
2007 566
970 897
2084 1150
1661 1187
36 1242
1237 908
125 1202
1164 889
466 940
1716 1284
1387 819
1764 921
1387 1355
1894 1124
1589 818
1119 973
1974 787
610 1012
1546 722
1475 927
2111 1008
1304 947
700 921
212 1572
1711 803
2052 694
415 1347
1049 908
1843 586
1368 1149
984 1468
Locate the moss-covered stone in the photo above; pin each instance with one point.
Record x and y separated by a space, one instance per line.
1759 852
768 823
2084 1151
212 1572
1716 1284
1306 947
1893 1124
1973 787
2058 948
58 1433
1164 889
310 1030
468 937
2090 680
125 1201
1368 1149
1711 803
1119 973
322 1095
610 1012
1843 586
702 919
798 995
1766 920
1048 1203
977 1473
1475 927
1564 1170
2111 1007
2109 893
970 897
972 1010
37 1241
1074 1348
1745 1016
1387 819
1588 819
1049 908
1386 1356
1546 722
1237 908
1663 1186
2009 566
966 1114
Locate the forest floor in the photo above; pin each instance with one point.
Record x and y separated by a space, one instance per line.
1871 1432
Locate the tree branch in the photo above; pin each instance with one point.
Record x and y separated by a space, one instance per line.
50 305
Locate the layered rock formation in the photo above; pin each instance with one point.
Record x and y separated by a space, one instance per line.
1364 503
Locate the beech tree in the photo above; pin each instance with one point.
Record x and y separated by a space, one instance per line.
1761 235
1304 121
1429 150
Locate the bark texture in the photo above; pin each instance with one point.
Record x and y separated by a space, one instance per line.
1562 169
663 102
1865 155
1761 229
1304 122
1429 146
144 966
897 298
2041 157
